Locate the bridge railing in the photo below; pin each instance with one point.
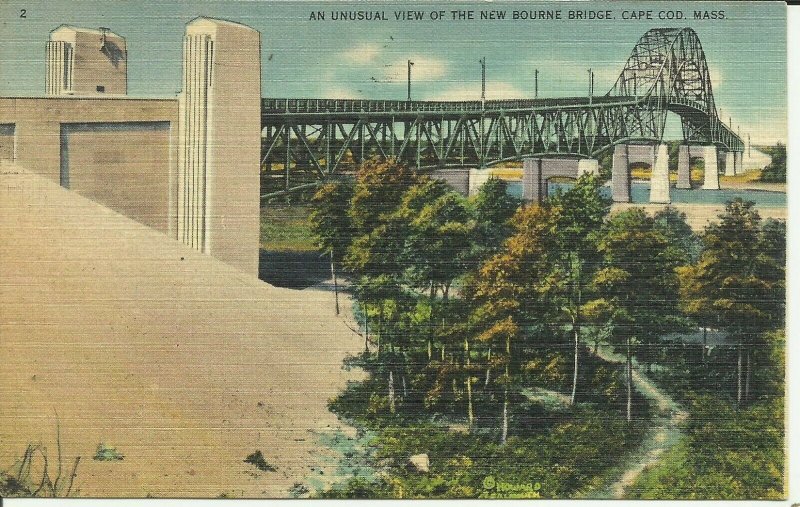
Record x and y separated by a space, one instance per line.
312 106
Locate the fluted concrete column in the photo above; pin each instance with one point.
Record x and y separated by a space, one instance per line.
711 180
659 176
620 175
684 169
730 164
737 162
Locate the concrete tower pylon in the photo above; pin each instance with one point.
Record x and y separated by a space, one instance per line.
620 175
711 177
86 62
684 170
218 180
659 176
730 164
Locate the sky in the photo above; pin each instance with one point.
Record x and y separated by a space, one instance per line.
746 51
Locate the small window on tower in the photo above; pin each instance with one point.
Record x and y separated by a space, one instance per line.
101 89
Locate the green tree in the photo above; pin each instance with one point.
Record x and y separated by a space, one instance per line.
637 283
331 224
374 258
582 210
494 208
740 275
775 172
508 290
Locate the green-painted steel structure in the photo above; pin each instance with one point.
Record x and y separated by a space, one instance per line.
305 141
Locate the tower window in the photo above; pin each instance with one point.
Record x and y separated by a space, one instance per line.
101 89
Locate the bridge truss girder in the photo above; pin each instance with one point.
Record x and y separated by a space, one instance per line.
321 146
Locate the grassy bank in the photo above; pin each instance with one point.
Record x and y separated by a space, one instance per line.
286 228
555 450
730 450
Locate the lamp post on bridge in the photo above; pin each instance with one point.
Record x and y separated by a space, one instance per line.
482 61
410 63
536 83
591 85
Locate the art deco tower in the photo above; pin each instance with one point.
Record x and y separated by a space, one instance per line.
86 62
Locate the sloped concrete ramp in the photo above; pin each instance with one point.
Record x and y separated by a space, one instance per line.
182 363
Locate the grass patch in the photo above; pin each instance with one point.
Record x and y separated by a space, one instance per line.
554 450
286 228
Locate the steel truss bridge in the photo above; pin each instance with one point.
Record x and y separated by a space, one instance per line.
305 141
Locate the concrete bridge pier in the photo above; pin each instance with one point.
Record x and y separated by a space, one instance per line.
711 177
620 175
659 176
730 164
684 169
536 172
737 162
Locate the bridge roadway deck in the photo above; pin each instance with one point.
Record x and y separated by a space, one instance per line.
311 106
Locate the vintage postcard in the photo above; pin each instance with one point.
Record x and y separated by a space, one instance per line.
408 250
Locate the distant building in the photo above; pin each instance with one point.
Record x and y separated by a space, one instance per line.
84 61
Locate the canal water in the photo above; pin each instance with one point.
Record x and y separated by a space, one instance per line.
640 194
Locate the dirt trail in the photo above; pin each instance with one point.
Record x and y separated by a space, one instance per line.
663 434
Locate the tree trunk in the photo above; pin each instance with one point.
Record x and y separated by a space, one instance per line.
470 414
366 327
488 368
629 380
575 366
335 284
380 329
430 324
739 373
576 331
705 345
747 377
391 392
405 389
504 434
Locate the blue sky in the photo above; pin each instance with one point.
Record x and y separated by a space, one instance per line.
746 51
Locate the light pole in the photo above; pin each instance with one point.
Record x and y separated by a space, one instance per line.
536 84
591 84
483 78
410 63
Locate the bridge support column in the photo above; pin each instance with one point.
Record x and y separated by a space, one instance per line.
620 175
711 179
730 164
477 177
532 180
588 166
684 169
659 177
737 162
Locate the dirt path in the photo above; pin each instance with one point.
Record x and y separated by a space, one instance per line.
662 435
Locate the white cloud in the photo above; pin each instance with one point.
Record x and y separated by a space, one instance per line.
362 54
341 92
425 68
716 77
495 90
